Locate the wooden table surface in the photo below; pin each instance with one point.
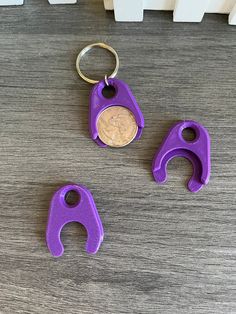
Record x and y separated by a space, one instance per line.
165 250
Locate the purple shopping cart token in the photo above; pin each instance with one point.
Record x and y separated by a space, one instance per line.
115 118
196 151
83 212
123 124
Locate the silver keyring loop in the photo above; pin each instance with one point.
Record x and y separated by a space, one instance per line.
87 49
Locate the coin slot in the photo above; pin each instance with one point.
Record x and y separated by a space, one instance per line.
72 198
109 91
189 134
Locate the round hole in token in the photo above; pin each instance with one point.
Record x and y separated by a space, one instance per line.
189 134
108 91
72 198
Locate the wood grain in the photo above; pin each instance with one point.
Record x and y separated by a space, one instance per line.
165 250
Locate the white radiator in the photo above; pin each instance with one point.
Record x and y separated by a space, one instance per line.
20 2
183 10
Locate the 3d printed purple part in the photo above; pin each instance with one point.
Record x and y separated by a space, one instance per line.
83 212
123 97
196 151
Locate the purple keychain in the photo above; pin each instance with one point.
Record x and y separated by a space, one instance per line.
196 151
83 212
113 121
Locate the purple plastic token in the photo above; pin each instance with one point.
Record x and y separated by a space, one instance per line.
123 97
196 151
84 212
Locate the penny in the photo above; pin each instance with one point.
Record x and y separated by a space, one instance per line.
117 126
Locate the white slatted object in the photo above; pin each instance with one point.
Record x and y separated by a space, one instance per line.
61 1
232 16
11 2
190 10
20 2
184 10
132 10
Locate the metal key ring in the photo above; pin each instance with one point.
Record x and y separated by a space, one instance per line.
87 49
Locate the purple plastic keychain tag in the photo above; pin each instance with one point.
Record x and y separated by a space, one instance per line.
196 151
84 212
123 97
114 121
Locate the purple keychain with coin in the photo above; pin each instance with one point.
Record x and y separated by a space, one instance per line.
113 121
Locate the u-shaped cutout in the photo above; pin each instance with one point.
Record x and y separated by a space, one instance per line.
84 212
196 151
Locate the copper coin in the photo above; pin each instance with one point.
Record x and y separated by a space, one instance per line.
117 126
